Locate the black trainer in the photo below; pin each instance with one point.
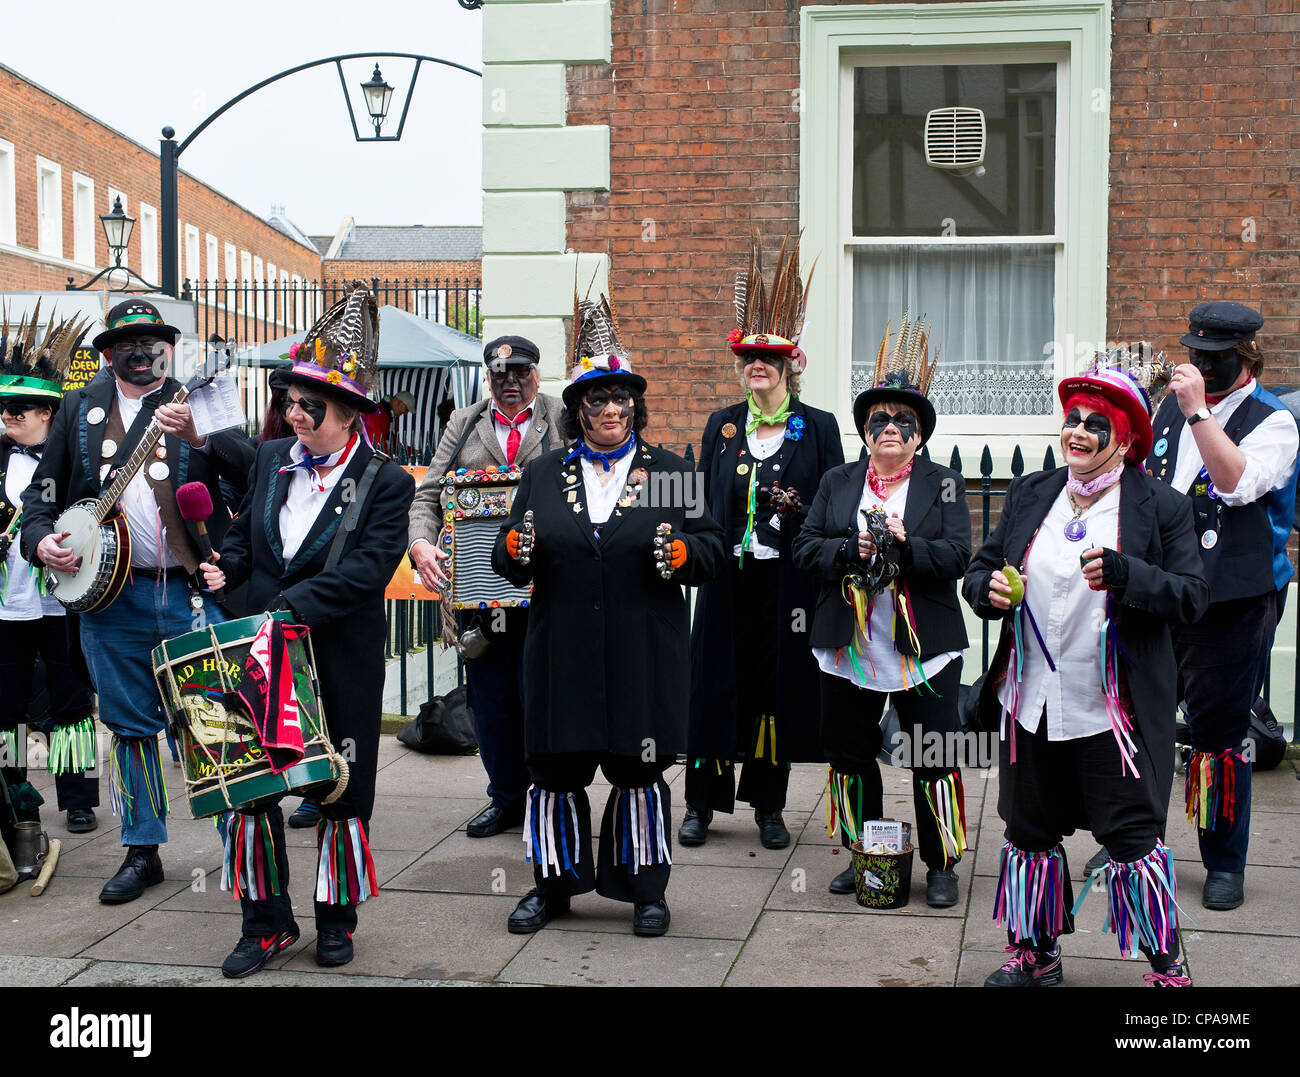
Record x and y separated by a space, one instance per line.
1173 976
305 814
252 952
1029 968
333 947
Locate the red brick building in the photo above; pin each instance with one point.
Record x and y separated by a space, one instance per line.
1141 156
60 169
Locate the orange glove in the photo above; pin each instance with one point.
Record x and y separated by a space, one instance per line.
512 543
676 553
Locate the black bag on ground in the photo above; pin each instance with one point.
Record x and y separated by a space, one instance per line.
443 726
1266 737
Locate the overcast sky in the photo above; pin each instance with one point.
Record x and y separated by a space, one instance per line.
140 66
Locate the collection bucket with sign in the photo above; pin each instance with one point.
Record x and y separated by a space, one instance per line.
882 864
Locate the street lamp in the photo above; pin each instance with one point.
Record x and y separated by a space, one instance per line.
377 94
117 230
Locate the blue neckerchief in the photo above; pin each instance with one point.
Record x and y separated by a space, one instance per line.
581 448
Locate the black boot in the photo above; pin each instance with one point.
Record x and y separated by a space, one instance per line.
695 827
141 869
771 829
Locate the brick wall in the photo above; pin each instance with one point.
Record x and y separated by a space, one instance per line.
344 270
704 150
38 123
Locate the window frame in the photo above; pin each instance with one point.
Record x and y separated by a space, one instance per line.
49 225
83 231
833 40
147 226
8 195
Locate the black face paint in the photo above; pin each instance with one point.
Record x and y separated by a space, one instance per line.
313 406
903 422
597 400
139 362
776 362
1219 369
1095 424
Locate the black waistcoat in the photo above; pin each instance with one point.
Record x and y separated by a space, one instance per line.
1236 542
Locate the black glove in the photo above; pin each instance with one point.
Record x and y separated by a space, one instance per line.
847 554
1114 570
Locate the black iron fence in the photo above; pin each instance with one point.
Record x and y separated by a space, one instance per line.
258 311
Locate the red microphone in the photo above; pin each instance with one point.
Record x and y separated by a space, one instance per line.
195 503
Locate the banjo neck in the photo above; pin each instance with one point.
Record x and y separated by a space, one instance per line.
111 496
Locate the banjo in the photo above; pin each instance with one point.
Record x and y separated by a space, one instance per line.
97 531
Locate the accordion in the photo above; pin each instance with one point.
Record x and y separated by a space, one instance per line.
474 506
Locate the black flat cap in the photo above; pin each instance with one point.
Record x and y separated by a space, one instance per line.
1216 327
511 350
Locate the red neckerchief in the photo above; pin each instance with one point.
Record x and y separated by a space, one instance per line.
880 486
514 437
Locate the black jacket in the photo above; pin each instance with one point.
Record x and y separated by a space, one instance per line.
1165 587
937 521
606 659
717 731
344 607
72 460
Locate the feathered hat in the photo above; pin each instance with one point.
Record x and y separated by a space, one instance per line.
340 353
37 371
769 317
1127 376
903 373
597 356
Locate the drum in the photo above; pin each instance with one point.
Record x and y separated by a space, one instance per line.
225 764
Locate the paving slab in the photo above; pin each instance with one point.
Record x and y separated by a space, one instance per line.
733 842
135 974
464 865
1239 960
427 937
174 938
419 823
602 959
417 775
817 949
68 918
39 971
1270 907
802 887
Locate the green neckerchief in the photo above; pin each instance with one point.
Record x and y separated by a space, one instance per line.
757 418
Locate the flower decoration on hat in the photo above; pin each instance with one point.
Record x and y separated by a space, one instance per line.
38 370
1126 379
770 314
341 350
598 353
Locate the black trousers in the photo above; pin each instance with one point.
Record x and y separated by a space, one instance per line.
572 773
711 786
1056 787
1221 662
67 685
851 737
496 705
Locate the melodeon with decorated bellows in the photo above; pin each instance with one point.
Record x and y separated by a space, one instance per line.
474 506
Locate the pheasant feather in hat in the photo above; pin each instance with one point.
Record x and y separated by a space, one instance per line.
598 355
37 371
340 353
769 317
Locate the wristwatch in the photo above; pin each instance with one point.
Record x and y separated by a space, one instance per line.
1198 416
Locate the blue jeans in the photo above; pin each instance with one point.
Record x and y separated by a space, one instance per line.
118 643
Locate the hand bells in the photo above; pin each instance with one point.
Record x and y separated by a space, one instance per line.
669 553
519 544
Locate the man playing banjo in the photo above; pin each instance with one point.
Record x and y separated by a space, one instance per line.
93 435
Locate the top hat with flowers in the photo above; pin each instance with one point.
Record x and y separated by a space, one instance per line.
340 353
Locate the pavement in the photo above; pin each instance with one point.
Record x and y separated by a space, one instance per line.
742 915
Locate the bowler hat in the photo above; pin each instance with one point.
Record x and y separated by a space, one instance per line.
134 318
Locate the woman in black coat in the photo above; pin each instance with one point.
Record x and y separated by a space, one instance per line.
303 490
753 677
1108 562
605 659
887 623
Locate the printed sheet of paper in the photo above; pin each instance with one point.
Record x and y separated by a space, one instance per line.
216 406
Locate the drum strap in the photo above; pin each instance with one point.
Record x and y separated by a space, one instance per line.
353 514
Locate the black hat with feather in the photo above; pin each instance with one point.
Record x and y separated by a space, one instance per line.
340 353
598 356
903 374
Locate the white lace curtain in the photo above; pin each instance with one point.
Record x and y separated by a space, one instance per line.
991 309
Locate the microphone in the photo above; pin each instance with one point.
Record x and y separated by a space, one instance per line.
195 504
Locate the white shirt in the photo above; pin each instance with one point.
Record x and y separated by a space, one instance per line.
22 601
879 652
149 547
604 488
1270 450
503 430
305 497
762 449
1070 616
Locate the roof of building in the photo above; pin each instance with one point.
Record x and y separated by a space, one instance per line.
412 243
281 223
321 243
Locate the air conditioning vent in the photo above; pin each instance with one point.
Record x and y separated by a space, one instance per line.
954 138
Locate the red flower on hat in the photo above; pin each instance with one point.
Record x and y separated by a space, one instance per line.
735 336
614 364
294 349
